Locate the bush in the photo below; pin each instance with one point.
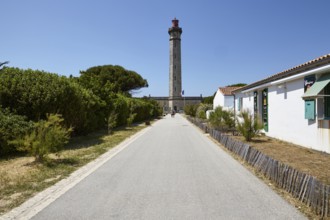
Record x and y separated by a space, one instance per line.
121 108
144 109
46 137
36 94
222 119
112 121
11 127
130 119
190 110
201 110
248 124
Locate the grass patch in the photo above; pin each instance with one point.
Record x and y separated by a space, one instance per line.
309 161
22 178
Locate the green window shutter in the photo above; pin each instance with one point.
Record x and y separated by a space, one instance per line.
327 101
265 109
310 109
255 102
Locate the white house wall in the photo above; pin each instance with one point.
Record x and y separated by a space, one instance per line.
286 116
218 100
229 102
225 101
247 101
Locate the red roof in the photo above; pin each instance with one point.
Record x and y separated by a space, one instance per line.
228 90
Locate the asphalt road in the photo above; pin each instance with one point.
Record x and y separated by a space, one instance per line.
173 171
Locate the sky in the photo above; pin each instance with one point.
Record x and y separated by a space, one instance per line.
223 41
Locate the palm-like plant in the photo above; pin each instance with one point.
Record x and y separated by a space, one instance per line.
222 119
248 125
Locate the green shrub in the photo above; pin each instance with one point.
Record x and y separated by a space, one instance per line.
121 108
144 109
248 124
190 110
46 137
201 110
112 121
11 127
130 119
222 119
36 93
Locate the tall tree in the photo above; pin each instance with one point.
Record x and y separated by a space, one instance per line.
103 80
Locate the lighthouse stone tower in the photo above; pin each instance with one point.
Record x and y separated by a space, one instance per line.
175 82
175 101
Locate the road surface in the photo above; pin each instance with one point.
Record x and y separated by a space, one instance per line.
173 171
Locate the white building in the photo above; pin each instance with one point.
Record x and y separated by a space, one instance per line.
294 105
224 98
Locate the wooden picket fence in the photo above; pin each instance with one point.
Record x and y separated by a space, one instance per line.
302 186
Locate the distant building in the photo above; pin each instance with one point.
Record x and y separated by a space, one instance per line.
224 98
294 105
175 101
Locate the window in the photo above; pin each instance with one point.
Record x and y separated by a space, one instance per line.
319 91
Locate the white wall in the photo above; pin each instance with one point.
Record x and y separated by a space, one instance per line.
286 110
247 101
227 102
286 116
218 99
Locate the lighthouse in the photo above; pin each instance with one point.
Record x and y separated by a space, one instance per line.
175 78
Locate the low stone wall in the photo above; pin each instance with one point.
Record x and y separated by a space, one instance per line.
302 186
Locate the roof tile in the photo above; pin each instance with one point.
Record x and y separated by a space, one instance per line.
228 90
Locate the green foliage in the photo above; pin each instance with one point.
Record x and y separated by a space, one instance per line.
201 110
99 98
121 107
112 121
237 85
190 110
11 127
36 94
144 109
130 119
46 137
208 99
248 124
107 79
222 119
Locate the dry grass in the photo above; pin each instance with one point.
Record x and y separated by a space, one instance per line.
21 177
309 161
